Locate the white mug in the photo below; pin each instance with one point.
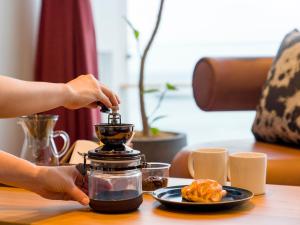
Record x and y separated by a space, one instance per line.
209 163
248 170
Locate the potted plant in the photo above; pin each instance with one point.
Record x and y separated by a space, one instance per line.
155 144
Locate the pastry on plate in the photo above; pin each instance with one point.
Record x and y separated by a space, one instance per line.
203 190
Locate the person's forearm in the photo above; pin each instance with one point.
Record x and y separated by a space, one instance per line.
17 172
19 97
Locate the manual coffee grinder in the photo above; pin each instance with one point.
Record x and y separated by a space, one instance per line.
114 172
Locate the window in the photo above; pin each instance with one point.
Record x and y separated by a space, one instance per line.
190 30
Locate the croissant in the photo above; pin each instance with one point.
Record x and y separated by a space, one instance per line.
203 190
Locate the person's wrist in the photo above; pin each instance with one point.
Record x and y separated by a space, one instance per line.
36 178
66 94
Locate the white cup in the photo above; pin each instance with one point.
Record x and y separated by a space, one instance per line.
248 170
209 163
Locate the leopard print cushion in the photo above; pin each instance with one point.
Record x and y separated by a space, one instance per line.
278 113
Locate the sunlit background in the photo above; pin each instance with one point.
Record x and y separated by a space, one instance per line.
189 30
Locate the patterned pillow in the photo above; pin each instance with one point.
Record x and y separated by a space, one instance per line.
278 112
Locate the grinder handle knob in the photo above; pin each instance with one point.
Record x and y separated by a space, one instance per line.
103 109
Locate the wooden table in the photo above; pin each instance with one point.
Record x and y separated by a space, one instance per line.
280 205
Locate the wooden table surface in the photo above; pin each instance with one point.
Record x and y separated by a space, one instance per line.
280 205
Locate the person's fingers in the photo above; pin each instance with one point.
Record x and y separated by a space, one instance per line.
112 97
92 105
118 99
85 190
104 99
80 181
53 195
76 194
58 196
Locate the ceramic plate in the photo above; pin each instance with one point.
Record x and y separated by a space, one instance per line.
171 197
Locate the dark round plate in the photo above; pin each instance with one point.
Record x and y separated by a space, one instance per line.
171 197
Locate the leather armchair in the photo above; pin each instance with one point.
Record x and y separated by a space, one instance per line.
223 84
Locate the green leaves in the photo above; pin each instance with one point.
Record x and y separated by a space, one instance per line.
136 33
168 86
161 92
152 90
171 87
157 118
154 130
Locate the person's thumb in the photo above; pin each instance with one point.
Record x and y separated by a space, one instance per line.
77 195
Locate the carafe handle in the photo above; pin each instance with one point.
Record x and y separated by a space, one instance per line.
64 135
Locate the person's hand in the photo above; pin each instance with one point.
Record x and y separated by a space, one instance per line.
61 183
85 91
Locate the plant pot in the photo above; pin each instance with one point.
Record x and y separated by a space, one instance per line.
160 148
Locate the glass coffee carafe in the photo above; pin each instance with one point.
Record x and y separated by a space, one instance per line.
39 146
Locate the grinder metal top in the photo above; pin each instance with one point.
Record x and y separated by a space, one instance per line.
114 136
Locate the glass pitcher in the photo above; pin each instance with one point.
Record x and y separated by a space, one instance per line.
39 146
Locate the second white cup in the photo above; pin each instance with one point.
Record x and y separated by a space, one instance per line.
248 170
209 163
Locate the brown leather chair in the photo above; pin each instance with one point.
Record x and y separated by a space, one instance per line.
223 84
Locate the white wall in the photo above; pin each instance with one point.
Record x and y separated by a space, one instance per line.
19 21
111 35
